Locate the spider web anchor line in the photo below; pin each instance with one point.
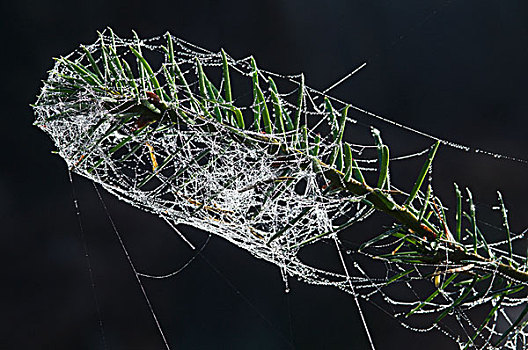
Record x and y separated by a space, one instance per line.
134 270
340 81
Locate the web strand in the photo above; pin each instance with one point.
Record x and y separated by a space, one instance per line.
88 262
134 270
356 300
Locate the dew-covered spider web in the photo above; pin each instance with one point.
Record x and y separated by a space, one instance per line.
260 159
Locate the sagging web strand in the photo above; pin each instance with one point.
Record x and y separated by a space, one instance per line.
272 170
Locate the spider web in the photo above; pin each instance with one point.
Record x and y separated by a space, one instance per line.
258 167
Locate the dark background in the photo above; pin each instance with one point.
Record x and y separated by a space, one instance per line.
455 69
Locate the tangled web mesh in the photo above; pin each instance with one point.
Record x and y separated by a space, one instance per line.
273 170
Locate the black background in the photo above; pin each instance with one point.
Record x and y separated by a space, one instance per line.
455 69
